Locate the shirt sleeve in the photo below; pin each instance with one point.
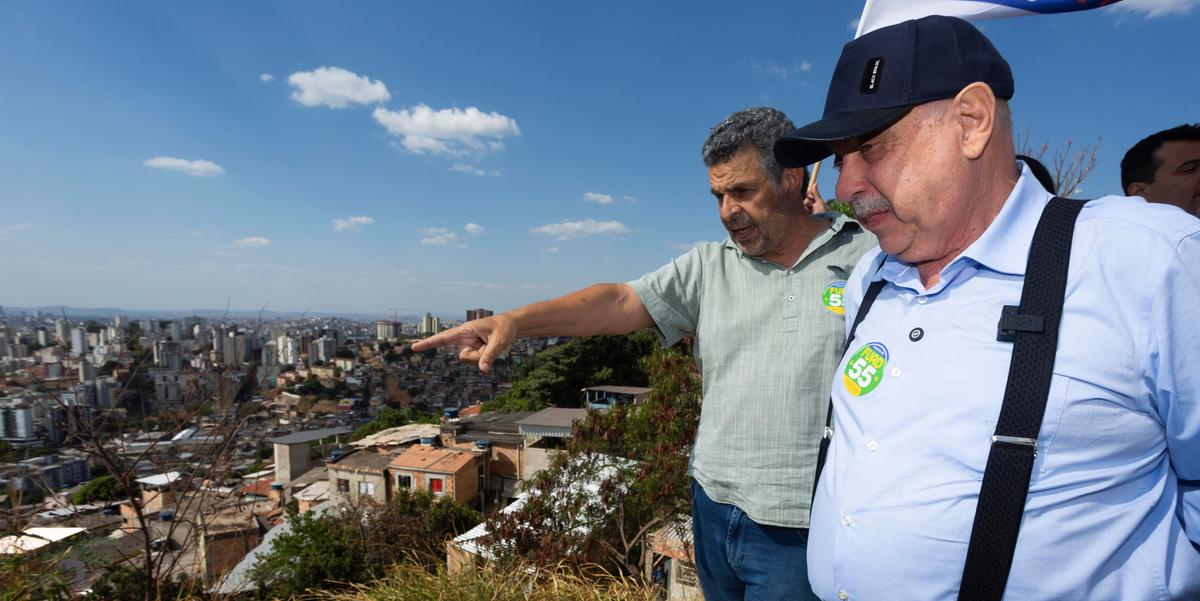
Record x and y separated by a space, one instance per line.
671 295
1174 373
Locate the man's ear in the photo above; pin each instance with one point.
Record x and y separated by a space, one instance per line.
974 110
1136 189
793 182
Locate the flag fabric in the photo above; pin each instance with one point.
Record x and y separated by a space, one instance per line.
881 13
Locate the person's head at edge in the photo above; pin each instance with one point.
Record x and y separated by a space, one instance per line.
1039 171
924 148
761 203
1165 167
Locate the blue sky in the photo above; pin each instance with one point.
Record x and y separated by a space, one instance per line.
371 156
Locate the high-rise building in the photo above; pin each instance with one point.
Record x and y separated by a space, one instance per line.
16 422
473 314
430 325
79 344
288 350
87 371
168 354
321 349
175 331
106 387
43 337
62 331
387 330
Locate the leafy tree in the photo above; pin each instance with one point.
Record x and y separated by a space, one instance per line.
317 550
32 578
104 488
358 544
624 473
555 376
345 353
121 582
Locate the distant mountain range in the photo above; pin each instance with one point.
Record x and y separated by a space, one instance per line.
111 312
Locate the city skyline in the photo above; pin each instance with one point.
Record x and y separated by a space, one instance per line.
436 159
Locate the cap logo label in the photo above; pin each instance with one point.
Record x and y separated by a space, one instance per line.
871 75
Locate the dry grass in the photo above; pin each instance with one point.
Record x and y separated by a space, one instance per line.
409 583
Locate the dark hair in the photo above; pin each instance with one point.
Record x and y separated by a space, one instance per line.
757 127
1140 162
1039 171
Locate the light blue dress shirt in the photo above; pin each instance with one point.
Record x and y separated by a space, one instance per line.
919 390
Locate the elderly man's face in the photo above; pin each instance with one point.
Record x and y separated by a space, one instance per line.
1177 179
752 207
894 180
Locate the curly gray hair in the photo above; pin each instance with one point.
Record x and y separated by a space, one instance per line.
758 127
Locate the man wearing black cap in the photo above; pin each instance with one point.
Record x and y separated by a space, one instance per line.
917 120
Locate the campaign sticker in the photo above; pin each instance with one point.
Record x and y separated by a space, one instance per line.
864 371
834 297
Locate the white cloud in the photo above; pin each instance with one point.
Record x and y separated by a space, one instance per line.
686 246
8 230
577 229
598 198
352 224
629 199
335 88
196 168
452 131
251 242
1156 8
551 250
464 168
785 70
440 236
473 229
265 77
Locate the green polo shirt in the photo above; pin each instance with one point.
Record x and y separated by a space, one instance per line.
767 340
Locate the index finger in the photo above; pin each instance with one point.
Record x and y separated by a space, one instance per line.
437 340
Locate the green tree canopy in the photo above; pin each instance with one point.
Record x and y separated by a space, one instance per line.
555 376
104 488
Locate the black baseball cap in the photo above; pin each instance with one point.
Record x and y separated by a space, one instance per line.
884 74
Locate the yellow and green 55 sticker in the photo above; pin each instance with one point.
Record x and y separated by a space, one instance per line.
834 297
865 368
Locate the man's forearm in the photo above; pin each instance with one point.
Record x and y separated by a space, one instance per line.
597 309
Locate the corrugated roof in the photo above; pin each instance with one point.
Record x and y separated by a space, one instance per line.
309 435
361 460
621 389
554 417
433 459
399 435
159 479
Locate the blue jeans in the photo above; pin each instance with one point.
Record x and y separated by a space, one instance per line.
740 560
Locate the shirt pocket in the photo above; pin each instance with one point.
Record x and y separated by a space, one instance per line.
961 440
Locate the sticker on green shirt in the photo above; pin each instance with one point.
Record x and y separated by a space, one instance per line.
865 368
834 297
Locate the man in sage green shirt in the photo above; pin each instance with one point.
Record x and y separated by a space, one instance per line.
765 310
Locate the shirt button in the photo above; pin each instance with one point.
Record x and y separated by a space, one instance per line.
872 446
843 595
847 520
921 300
791 298
896 372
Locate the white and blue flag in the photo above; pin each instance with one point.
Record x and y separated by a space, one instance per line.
881 13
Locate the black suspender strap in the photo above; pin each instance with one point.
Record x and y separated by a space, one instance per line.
1033 328
827 434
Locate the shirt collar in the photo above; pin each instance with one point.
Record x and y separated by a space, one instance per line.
1004 245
